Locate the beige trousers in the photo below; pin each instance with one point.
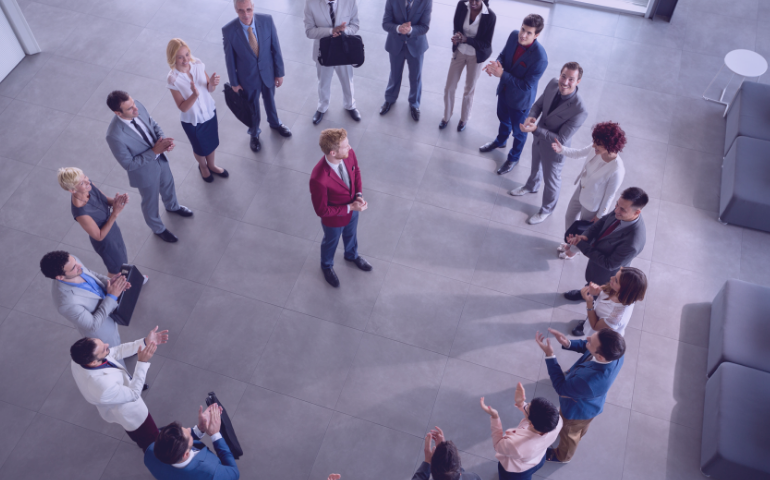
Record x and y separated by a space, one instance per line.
459 62
576 211
569 437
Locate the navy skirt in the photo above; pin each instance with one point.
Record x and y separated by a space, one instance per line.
203 137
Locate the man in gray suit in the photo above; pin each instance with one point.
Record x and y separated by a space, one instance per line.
407 22
138 145
83 297
561 113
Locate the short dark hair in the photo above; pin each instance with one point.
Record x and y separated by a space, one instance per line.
115 99
543 415
52 263
82 351
170 446
636 196
612 345
445 463
610 136
573 66
535 21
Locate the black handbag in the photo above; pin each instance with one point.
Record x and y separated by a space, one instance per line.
238 103
341 50
127 300
577 228
226 429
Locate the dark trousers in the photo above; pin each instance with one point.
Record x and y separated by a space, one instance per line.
397 71
268 98
525 475
146 434
332 238
509 123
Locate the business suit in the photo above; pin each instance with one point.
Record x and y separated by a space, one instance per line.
408 48
205 465
331 197
318 25
423 473
582 392
87 311
618 249
559 124
147 172
516 91
255 74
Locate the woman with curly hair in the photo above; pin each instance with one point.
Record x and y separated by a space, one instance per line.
599 180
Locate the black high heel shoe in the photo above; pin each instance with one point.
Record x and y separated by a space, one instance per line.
224 173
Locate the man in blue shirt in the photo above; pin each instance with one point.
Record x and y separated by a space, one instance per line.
83 297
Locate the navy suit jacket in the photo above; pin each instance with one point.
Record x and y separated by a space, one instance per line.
583 388
518 85
243 67
205 465
395 15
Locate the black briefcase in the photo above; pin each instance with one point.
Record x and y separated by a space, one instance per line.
341 50
577 228
127 300
238 103
226 429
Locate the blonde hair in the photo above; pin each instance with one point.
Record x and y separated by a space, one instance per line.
173 48
331 138
69 177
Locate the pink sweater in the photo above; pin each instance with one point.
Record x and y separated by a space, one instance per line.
520 448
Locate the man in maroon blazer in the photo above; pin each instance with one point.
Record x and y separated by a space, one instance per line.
335 188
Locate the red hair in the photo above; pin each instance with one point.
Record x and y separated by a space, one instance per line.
610 136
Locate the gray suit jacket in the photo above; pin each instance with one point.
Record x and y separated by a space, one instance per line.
562 123
89 313
618 249
132 153
318 22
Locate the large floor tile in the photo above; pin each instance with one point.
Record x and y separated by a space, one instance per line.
217 349
651 68
418 308
127 463
642 113
15 173
146 55
307 358
692 178
700 27
147 91
697 71
17 78
392 384
50 25
82 145
21 254
698 125
188 18
584 19
591 50
645 164
83 456
381 226
27 131
64 84
16 420
109 49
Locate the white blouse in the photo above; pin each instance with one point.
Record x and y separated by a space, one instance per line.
471 29
203 108
598 181
615 315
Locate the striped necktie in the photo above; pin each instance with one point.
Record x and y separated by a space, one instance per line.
331 13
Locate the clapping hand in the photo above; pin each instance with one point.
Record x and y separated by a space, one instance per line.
557 146
437 436
204 416
404 28
216 419
594 289
119 202
520 396
575 239
560 337
494 68
491 411
156 337
544 344
339 29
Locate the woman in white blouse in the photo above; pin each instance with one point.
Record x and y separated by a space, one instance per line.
614 302
599 180
191 88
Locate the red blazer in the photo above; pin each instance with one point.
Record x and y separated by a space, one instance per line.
330 195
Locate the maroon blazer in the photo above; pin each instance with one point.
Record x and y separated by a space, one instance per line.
330 195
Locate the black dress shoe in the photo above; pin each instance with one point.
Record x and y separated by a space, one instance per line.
208 179
182 211
442 125
255 145
355 114
461 126
578 331
415 113
573 295
317 117
282 129
361 263
506 167
167 236
223 174
488 147
145 387
385 108
331 277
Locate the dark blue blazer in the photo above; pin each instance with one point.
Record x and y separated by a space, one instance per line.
583 389
395 15
243 67
205 465
518 85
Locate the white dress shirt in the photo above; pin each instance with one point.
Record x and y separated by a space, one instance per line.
203 109
142 126
471 29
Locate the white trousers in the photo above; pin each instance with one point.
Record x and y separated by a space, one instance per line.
345 74
576 210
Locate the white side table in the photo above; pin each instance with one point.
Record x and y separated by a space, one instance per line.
744 63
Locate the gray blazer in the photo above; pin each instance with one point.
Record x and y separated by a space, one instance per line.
618 249
89 313
132 153
562 123
318 22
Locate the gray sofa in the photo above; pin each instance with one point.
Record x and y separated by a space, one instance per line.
749 114
744 199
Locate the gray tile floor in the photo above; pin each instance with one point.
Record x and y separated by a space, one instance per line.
320 380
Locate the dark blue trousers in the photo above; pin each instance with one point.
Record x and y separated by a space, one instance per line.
268 98
525 475
332 238
509 123
397 71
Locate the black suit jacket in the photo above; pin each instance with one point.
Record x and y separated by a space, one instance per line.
618 249
482 42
